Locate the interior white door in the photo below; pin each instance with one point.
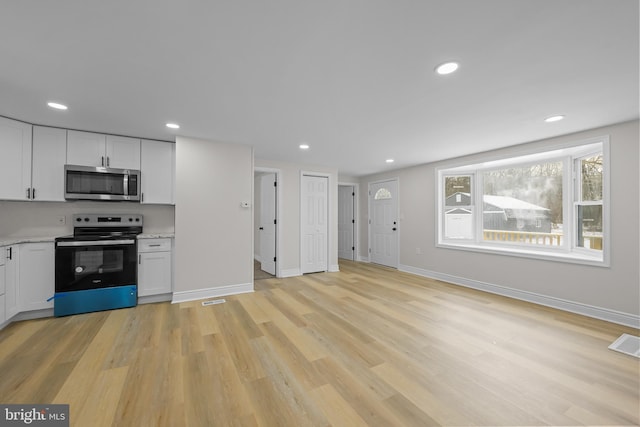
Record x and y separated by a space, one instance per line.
383 202
346 222
314 223
268 223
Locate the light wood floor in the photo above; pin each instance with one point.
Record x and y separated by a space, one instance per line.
259 274
366 346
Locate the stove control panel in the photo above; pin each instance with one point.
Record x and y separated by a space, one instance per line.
106 220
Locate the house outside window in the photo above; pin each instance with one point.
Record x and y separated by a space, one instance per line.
549 204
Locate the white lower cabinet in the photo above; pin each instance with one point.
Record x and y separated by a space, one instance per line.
26 278
155 272
11 302
37 275
3 315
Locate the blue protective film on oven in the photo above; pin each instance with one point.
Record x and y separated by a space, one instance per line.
86 301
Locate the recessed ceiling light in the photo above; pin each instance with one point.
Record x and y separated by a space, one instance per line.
57 106
553 119
304 146
389 160
447 68
173 126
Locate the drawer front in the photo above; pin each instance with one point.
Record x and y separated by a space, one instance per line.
154 245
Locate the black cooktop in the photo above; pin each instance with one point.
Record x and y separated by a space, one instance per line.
104 227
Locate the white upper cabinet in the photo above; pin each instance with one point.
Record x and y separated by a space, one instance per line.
86 148
94 149
15 160
158 172
49 157
32 160
123 152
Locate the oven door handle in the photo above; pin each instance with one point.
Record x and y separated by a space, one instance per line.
97 243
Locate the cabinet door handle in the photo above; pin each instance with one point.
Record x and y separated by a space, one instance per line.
10 253
154 246
102 160
139 259
107 161
33 194
28 193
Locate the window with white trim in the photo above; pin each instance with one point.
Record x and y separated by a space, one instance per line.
550 204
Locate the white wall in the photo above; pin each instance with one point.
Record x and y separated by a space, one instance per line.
40 219
289 216
350 179
612 292
213 233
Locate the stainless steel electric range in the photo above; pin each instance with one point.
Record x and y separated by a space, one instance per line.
96 268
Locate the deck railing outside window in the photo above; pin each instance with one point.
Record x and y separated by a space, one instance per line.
530 237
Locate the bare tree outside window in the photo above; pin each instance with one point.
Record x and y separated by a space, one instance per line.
589 203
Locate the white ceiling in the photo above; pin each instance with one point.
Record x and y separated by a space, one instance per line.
352 78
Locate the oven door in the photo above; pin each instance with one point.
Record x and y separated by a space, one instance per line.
82 265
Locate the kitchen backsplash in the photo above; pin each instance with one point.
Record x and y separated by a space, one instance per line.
44 219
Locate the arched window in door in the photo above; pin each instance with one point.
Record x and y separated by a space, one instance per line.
382 194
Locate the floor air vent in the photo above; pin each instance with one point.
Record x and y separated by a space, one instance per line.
627 344
213 301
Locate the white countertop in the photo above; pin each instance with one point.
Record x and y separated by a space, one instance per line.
156 236
7 241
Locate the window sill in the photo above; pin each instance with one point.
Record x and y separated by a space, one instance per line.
559 256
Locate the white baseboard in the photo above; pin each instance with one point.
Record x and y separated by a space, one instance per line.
219 291
561 304
150 299
334 268
257 258
33 314
291 272
363 259
28 315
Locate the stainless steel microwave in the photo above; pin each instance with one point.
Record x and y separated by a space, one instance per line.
100 183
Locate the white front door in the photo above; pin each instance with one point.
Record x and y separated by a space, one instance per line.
314 223
268 223
346 222
383 208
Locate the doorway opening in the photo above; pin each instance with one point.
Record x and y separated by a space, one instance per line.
347 227
265 223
